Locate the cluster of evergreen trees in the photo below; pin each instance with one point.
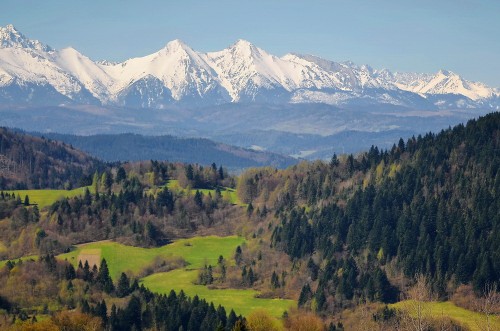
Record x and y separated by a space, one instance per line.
147 310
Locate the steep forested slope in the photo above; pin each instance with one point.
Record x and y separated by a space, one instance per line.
429 205
32 162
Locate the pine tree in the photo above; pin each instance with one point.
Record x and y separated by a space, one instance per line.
231 320
189 172
133 313
87 275
198 198
275 283
238 255
103 277
251 277
102 311
305 295
123 286
121 175
70 272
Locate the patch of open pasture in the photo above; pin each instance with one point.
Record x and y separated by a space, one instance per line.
45 198
472 320
92 256
195 251
243 301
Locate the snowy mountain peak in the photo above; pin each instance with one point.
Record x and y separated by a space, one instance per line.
176 44
178 49
242 43
446 73
241 73
10 37
442 83
245 48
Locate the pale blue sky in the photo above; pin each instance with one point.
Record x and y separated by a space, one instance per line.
404 35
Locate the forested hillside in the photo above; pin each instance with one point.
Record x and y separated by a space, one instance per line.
135 147
32 162
364 224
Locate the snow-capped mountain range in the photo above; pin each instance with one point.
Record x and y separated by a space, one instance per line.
34 73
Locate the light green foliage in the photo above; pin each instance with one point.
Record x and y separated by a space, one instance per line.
227 193
95 183
468 318
194 251
45 198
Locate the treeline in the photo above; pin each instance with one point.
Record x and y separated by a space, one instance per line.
90 291
28 162
429 205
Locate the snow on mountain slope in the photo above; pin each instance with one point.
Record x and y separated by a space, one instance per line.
345 76
447 82
90 74
11 38
177 74
244 68
29 62
183 71
23 65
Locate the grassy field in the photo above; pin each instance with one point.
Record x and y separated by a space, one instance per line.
465 317
45 198
195 251
227 193
24 258
242 301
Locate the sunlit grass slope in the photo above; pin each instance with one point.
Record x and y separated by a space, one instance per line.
468 318
195 251
45 198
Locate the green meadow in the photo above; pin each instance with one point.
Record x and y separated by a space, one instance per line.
45 198
196 252
242 301
474 321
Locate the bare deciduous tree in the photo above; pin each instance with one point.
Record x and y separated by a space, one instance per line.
416 315
488 305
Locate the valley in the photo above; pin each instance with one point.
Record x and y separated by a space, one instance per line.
376 231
